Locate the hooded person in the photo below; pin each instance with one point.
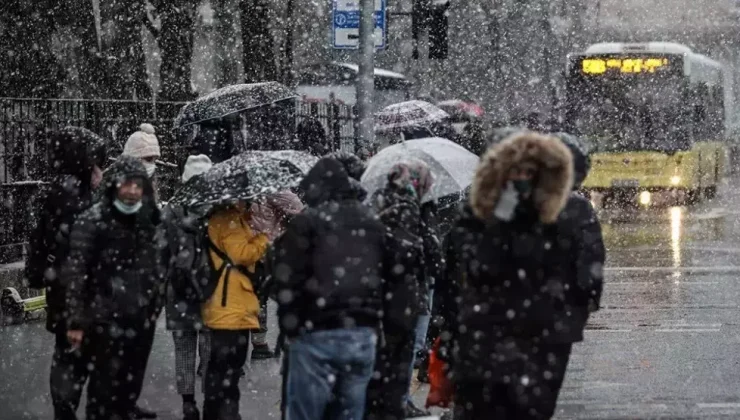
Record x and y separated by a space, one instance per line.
580 215
116 284
144 146
77 157
398 206
328 270
237 243
511 288
183 309
311 136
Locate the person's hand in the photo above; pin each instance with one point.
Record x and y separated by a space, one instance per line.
262 218
75 338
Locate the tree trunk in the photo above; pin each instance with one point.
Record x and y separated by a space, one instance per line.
286 68
176 48
257 42
123 49
225 42
28 66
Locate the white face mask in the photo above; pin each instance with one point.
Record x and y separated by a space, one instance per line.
150 168
127 209
507 203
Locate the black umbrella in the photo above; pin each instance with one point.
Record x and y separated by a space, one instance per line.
244 178
231 100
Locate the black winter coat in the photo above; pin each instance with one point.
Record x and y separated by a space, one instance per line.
182 302
512 286
74 153
414 255
114 269
62 202
327 265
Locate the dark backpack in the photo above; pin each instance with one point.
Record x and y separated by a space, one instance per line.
191 272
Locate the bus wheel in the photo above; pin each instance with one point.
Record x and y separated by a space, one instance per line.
710 192
693 196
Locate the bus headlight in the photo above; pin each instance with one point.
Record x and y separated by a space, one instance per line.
675 180
645 198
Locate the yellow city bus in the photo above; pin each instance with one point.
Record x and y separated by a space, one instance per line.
653 114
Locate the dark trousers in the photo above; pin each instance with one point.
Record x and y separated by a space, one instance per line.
259 338
528 395
386 393
144 344
113 385
228 354
69 373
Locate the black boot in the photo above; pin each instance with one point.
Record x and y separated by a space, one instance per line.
190 411
262 352
211 409
142 413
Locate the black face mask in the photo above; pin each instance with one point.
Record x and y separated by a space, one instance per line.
523 187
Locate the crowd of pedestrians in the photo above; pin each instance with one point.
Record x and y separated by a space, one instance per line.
363 283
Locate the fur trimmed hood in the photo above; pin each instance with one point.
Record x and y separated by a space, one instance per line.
553 183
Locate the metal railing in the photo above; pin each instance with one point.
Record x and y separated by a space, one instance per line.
26 124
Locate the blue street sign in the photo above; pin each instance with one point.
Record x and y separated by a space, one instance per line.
346 24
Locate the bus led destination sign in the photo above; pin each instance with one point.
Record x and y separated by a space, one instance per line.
598 66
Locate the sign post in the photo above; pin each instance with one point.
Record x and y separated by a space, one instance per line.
365 84
346 18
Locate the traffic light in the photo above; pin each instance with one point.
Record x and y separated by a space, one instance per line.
431 16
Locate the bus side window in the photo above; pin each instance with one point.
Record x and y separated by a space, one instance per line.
699 102
718 112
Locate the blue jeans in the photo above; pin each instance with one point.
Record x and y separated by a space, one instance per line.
328 373
420 340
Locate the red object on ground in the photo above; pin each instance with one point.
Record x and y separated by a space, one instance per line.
440 387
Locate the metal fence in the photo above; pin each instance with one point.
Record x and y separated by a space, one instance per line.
26 124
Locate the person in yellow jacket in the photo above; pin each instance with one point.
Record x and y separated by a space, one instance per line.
237 244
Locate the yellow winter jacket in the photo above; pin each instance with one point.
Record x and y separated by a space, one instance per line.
238 309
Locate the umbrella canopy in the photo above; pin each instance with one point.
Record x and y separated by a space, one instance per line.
408 114
452 165
245 177
461 110
231 100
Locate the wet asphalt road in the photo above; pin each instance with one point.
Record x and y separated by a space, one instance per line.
665 345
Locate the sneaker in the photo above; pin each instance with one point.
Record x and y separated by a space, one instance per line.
190 411
413 411
262 352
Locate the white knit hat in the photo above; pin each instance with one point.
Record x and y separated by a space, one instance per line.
195 165
143 143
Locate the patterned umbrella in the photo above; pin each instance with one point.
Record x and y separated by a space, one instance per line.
231 100
244 178
461 109
452 165
396 117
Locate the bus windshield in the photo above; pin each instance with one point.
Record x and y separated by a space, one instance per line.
631 114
